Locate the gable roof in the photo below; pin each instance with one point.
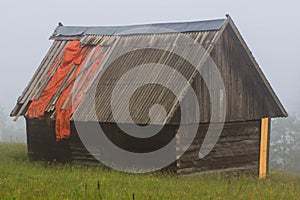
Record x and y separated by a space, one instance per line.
112 41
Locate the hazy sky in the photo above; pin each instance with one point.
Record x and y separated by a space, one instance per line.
270 28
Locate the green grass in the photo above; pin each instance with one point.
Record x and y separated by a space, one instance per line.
22 179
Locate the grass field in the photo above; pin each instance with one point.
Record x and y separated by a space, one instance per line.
21 179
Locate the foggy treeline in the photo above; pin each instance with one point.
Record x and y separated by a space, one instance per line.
284 140
285 144
11 131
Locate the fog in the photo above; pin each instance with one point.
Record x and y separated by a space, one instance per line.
270 29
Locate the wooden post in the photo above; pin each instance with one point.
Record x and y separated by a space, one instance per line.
264 138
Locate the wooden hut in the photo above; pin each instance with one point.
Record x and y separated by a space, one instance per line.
244 141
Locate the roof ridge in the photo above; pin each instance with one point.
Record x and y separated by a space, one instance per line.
145 24
167 27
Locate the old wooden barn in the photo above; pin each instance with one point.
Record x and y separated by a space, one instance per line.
82 57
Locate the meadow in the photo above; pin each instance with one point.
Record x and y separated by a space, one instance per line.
23 179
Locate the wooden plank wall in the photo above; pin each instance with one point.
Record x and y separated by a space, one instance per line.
42 145
236 149
248 97
120 139
41 142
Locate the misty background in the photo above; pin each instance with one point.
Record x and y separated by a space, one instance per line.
270 28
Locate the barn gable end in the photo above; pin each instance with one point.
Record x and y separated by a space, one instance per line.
250 96
249 99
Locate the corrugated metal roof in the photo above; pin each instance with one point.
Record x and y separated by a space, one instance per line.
119 63
181 27
114 46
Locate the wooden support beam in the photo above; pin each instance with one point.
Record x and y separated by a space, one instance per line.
264 141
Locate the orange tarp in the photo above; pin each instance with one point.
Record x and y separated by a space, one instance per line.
63 115
73 56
